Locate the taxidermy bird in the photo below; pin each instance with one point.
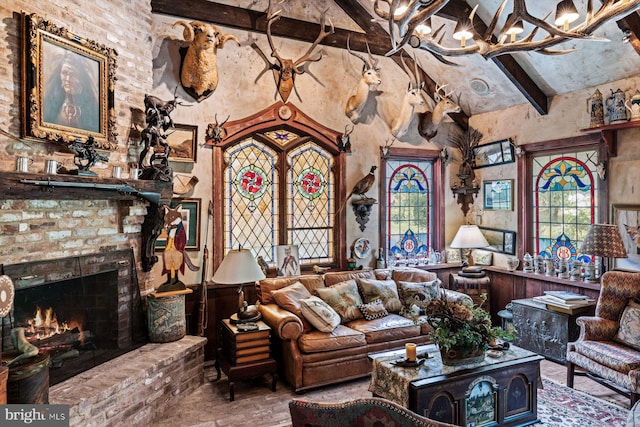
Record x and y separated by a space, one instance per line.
175 257
362 186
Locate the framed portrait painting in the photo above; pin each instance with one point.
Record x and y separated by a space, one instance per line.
627 218
190 213
288 260
68 85
182 142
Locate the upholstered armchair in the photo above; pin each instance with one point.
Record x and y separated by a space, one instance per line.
608 348
369 411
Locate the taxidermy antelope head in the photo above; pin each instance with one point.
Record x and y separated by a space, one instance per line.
370 81
412 99
430 120
199 70
285 70
215 131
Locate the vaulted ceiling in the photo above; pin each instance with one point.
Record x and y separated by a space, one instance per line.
487 85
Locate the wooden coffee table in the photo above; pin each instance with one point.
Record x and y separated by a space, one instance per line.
497 391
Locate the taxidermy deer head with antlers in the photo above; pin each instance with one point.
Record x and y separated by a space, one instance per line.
285 70
370 81
413 98
430 120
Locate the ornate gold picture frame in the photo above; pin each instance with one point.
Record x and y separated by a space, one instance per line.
68 85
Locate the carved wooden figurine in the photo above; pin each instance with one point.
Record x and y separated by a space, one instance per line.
175 257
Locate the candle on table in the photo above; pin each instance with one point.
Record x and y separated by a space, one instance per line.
410 349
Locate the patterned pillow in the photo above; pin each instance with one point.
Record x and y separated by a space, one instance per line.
418 294
629 331
289 298
344 298
373 310
319 314
385 290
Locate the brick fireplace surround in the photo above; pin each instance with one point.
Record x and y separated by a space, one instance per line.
133 388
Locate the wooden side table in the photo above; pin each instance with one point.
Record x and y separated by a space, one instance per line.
245 355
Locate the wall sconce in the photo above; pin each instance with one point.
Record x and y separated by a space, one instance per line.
467 189
362 209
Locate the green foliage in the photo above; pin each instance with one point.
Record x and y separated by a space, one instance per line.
462 326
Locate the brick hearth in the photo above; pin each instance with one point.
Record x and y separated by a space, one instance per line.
133 388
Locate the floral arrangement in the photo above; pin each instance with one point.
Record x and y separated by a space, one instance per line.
462 330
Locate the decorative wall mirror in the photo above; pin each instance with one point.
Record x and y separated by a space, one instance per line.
493 154
501 241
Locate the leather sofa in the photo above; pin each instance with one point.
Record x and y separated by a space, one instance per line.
310 358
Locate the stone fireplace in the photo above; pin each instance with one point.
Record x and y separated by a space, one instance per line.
81 310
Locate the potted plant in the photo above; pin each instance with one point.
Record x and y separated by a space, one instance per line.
463 332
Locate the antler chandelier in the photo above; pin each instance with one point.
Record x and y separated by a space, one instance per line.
410 23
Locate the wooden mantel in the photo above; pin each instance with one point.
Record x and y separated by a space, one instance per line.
12 187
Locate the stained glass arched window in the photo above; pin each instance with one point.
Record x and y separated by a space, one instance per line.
565 202
409 228
265 208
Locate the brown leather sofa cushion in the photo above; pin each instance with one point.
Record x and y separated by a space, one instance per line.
265 286
341 337
388 328
413 275
333 277
289 298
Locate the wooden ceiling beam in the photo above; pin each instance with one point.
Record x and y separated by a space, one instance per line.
631 23
506 63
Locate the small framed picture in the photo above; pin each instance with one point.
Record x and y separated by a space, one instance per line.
453 256
627 218
288 260
481 257
498 195
182 141
190 212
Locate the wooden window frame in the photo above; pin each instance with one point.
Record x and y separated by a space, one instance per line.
437 191
525 181
278 116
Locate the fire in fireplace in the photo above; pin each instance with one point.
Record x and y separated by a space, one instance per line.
82 311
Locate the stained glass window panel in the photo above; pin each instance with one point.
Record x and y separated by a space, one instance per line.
251 199
311 203
565 202
409 208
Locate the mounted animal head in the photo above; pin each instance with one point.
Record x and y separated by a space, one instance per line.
215 131
285 70
199 73
413 98
429 121
370 80
344 143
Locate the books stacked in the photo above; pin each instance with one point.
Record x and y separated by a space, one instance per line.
245 347
565 301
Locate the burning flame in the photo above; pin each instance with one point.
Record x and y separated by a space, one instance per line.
41 327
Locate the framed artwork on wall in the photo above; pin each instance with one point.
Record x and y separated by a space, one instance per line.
288 260
627 218
501 241
493 154
182 141
68 85
190 212
498 195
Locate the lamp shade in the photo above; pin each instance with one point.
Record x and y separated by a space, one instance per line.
516 28
566 13
604 240
469 237
463 29
238 266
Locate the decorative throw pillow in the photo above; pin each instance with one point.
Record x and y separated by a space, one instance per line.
373 310
385 290
319 314
289 298
418 294
629 331
344 298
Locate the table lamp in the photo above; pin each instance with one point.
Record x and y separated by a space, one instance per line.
468 237
605 241
240 267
